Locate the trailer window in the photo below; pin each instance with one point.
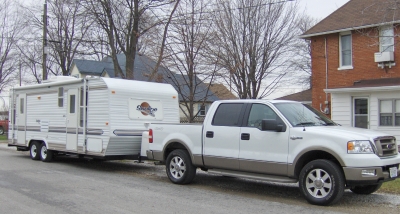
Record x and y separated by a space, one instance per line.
72 104
60 97
83 104
21 105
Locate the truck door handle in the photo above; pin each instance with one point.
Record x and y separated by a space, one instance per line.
245 136
209 134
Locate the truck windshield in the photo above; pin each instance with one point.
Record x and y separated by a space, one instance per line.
303 115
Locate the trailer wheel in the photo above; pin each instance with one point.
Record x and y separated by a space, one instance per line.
45 154
179 167
366 189
321 182
1 130
34 151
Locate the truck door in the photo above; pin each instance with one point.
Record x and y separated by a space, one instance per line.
222 137
21 119
262 151
72 120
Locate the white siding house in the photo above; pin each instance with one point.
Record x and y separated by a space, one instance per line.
376 108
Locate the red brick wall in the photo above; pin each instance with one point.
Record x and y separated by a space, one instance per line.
364 45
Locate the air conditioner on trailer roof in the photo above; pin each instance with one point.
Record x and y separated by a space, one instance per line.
384 56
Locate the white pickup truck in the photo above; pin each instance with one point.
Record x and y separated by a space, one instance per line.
278 141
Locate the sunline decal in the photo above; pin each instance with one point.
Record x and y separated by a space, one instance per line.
146 109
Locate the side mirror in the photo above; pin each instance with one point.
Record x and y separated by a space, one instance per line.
272 125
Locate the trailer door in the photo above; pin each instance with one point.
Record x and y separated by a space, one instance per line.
72 120
21 119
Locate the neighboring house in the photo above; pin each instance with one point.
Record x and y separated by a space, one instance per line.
355 65
302 96
143 66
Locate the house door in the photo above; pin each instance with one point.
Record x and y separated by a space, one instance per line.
361 112
21 119
72 120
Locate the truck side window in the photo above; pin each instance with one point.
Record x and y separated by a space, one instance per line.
259 112
227 114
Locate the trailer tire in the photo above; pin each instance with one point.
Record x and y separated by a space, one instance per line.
321 182
366 189
1 130
45 154
179 167
34 151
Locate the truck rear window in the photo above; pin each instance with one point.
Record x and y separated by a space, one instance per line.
227 114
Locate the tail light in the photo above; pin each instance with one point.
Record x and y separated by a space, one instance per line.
151 136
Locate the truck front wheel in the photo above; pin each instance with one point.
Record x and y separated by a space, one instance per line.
321 182
366 189
179 167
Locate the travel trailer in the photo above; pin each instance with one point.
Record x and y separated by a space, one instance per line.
96 117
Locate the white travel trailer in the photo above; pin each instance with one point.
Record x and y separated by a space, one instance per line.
96 117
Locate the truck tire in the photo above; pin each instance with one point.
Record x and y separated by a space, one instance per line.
179 167
1 130
45 154
321 182
34 151
366 189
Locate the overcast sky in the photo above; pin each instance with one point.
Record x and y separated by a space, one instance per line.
321 8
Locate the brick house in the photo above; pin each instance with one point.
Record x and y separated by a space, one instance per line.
355 65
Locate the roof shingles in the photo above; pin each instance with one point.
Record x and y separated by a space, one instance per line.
357 14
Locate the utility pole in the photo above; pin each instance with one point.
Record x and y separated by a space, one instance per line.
44 74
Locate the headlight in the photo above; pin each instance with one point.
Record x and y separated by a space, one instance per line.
360 147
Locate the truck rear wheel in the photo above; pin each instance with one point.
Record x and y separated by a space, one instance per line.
1 130
34 151
321 182
366 189
179 167
45 154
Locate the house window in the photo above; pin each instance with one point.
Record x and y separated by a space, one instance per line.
202 110
386 39
389 112
345 57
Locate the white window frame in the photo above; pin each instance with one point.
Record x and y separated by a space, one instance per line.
394 112
388 31
199 106
341 66
354 114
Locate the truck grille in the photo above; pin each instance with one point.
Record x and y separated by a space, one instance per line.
386 146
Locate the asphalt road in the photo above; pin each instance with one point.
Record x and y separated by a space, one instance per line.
72 185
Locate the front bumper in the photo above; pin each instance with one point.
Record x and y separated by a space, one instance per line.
355 177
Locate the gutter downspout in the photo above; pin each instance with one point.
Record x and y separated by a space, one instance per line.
326 109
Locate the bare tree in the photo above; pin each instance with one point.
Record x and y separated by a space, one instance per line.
186 55
11 26
67 30
302 57
254 41
121 21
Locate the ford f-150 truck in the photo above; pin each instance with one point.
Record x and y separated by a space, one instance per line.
278 141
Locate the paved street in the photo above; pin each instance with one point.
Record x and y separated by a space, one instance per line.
72 185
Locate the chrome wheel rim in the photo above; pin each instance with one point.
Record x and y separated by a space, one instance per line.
318 183
33 150
44 152
177 167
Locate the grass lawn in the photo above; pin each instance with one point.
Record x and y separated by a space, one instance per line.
392 187
3 137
